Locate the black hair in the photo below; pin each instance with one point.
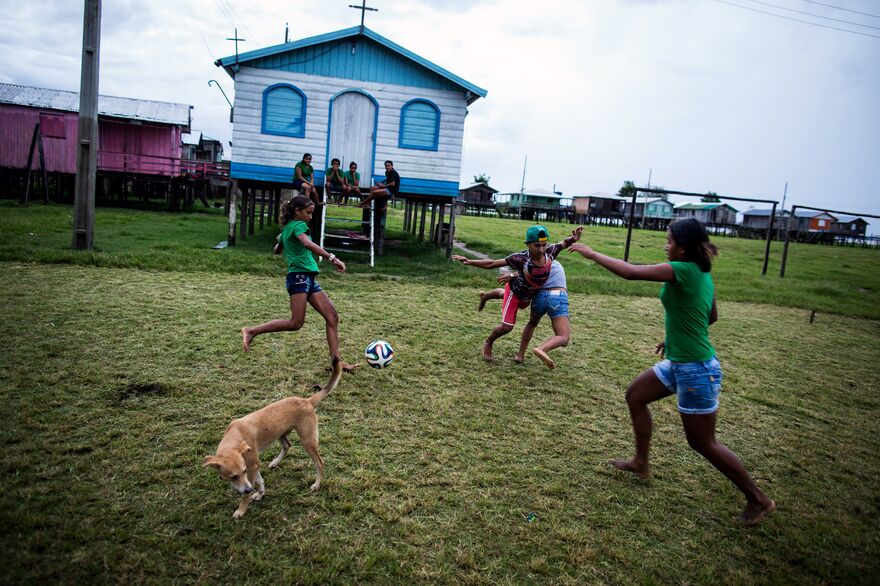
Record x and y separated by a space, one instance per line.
289 208
692 237
306 155
352 163
389 163
335 160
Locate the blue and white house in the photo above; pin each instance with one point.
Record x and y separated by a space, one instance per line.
353 95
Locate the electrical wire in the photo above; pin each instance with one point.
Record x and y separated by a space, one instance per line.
834 28
814 15
841 8
198 28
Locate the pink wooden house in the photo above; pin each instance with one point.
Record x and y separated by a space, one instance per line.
135 137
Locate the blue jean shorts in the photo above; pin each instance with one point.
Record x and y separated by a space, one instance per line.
550 302
696 384
302 283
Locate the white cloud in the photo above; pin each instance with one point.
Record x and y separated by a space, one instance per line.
707 96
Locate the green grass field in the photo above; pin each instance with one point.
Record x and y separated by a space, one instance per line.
119 370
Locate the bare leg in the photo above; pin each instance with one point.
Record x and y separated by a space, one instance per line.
324 306
645 389
700 432
528 332
497 332
297 317
487 295
561 334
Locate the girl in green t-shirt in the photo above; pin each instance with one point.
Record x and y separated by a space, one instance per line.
691 370
302 287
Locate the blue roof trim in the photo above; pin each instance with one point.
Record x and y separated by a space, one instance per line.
230 62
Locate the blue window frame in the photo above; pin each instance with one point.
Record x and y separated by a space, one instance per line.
419 125
284 110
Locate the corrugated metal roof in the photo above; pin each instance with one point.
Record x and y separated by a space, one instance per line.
127 108
192 138
703 206
602 195
355 31
479 185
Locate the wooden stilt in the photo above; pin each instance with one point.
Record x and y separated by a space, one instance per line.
422 222
262 207
27 184
242 231
252 205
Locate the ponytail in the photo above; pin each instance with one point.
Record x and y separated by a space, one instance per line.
289 208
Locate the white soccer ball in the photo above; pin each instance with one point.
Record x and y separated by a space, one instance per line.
379 354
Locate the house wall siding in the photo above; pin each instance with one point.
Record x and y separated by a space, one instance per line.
251 147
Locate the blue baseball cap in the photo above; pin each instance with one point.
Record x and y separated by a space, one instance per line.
537 234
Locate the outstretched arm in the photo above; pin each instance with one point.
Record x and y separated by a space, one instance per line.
575 236
332 258
482 263
629 271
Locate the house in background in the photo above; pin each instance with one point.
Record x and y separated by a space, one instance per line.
598 205
851 226
759 219
660 208
708 212
137 139
354 95
477 198
538 204
198 146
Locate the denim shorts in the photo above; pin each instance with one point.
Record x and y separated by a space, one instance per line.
696 384
302 283
550 302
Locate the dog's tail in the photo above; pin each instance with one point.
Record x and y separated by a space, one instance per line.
334 380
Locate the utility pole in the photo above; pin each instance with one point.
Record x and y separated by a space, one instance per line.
784 193
87 129
645 208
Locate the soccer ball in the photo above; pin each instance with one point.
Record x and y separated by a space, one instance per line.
379 354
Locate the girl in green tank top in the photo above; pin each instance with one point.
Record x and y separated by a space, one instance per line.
691 370
298 249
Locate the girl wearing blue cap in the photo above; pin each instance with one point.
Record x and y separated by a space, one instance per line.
532 268
691 371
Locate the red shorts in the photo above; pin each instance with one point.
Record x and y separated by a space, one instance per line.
510 305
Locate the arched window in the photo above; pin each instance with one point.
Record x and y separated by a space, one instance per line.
284 111
419 125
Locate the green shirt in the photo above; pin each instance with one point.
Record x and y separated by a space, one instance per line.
329 178
352 180
305 170
299 258
688 304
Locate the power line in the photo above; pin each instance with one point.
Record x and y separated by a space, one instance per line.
798 20
841 8
198 28
814 15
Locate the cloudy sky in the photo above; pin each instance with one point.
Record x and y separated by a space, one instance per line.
703 95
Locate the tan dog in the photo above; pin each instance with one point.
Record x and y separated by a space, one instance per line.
238 455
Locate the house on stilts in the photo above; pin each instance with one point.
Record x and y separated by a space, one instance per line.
356 96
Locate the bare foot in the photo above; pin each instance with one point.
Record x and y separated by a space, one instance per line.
349 368
519 358
544 358
487 352
640 470
754 512
483 300
246 337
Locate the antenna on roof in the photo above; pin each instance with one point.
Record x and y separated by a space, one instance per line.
286 37
363 8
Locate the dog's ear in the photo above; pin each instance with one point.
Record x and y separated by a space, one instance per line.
211 461
244 448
